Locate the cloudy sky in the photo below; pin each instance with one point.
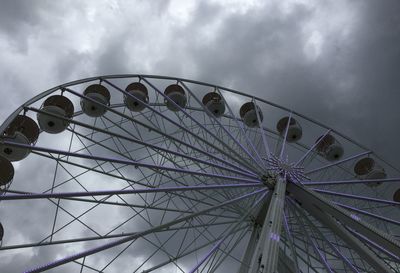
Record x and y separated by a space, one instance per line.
332 60
336 61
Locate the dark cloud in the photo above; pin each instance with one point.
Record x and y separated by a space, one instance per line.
21 20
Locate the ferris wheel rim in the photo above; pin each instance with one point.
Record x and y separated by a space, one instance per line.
43 94
125 76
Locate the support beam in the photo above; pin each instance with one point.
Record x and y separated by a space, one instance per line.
344 259
351 240
255 235
265 259
323 210
249 252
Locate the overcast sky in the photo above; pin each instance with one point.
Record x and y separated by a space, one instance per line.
336 61
333 60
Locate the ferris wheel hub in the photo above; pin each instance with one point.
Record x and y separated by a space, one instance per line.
282 167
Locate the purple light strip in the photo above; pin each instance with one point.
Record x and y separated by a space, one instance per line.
342 182
128 162
114 192
356 197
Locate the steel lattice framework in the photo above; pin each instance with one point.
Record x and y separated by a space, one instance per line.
175 185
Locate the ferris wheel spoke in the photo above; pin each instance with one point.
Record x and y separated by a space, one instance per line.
173 259
312 148
215 119
340 256
228 253
188 252
307 263
224 237
194 159
301 249
133 237
262 132
146 144
284 137
290 239
131 162
351 182
308 257
85 212
118 255
146 221
376 216
322 259
202 231
237 158
114 192
72 177
200 125
374 247
225 254
311 200
128 157
316 170
363 253
93 169
359 197
98 238
313 244
258 161
73 217
136 121
159 247
136 214
223 193
77 218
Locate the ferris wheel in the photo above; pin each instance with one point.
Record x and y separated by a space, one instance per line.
143 173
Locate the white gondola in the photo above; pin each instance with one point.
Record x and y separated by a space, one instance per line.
139 94
175 93
329 147
294 130
6 171
367 168
55 105
214 103
100 94
22 130
249 115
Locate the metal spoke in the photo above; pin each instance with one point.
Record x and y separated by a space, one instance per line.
129 162
312 148
134 237
337 163
119 192
285 136
237 159
344 182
